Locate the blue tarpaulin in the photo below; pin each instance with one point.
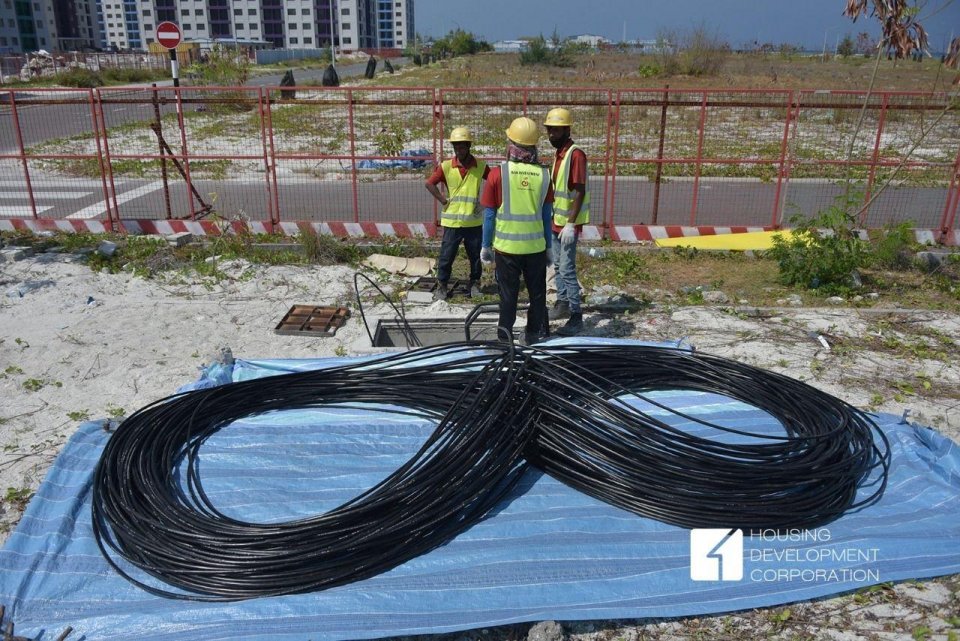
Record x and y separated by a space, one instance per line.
546 552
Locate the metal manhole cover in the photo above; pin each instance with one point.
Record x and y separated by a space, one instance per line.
310 320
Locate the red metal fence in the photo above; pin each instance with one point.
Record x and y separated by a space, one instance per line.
353 159
12 67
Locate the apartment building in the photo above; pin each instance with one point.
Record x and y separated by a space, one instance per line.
63 25
52 25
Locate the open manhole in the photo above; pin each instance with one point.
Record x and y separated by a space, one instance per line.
310 320
421 332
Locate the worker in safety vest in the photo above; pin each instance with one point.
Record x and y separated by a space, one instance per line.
517 201
460 217
571 210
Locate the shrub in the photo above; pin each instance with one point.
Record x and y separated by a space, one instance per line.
557 53
824 259
695 53
894 248
80 77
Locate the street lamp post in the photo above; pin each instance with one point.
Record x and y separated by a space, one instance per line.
333 48
825 32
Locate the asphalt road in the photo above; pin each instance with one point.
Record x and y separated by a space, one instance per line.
74 116
720 201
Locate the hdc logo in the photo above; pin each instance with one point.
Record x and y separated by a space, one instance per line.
716 554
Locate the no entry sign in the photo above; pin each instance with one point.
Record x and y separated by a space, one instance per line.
169 35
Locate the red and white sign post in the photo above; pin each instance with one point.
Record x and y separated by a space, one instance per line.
170 36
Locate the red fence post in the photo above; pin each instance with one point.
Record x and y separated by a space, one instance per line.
874 158
101 160
659 169
183 150
353 156
781 168
616 160
607 217
107 161
696 175
22 151
266 154
272 163
437 145
953 197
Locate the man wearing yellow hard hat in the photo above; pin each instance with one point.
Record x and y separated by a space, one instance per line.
460 217
517 201
571 210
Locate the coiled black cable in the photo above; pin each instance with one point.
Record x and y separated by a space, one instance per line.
565 409
589 437
141 511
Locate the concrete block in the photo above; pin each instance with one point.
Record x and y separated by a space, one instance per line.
419 297
180 239
10 254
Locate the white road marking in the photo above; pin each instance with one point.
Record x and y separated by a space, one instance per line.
45 195
22 211
100 209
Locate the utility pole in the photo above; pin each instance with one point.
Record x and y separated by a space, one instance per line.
333 47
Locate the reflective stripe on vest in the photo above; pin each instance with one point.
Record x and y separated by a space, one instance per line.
563 199
462 208
519 228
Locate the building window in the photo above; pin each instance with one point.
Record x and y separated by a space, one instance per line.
305 12
147 13
308 41
3 41
253 26
291 12
187 27
185 12
201 27
345 12
293 41
346 40
251 12
147 27
306 25
238 12
292 26
239 27
346 26
199 12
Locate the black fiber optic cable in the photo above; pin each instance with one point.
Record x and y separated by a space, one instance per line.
142 513
591 439
565 409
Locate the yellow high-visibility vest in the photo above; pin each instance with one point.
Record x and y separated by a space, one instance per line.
563 199
462 208
519 228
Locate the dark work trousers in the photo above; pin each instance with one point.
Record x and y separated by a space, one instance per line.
533 267
471 237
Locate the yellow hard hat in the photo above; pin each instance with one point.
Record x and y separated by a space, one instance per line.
558 117
523 131
461 134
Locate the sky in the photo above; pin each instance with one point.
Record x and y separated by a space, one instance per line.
808 23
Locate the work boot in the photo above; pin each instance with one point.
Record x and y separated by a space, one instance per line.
560 310
573 326
440 293
533 339
473 290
